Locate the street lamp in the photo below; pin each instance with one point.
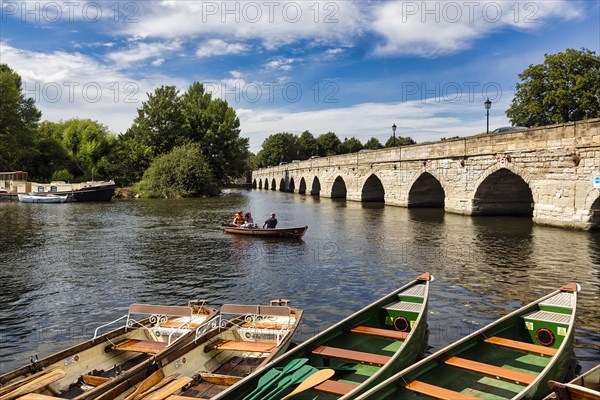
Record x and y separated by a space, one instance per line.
394 133
488 105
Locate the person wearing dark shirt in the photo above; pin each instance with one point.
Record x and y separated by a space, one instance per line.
271 223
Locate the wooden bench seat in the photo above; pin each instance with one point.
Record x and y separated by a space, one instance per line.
335 387
351 355
265 325
179 324
492 370
35 384
169 389
94 380
437 392
523 346
241 345
385 333
141 346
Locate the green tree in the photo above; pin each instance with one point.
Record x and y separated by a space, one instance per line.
50 153
18 120
564 88
183 172
399 141
307 144
215 126
373 144
277 148
351 145
329 144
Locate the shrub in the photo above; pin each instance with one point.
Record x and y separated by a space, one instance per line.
184 172
62 175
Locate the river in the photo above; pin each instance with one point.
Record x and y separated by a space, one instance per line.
69 268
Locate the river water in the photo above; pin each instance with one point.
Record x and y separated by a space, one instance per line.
69 268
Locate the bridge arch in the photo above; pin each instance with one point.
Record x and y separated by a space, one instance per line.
282 185
426 192
260 183
254 184
316 187
372 190
302 187
595 215
273 186
291 186
266 184
503 192
338 190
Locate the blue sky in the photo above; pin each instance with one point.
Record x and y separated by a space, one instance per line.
354 68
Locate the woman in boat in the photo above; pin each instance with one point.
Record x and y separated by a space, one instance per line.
248 221
239 218
271 222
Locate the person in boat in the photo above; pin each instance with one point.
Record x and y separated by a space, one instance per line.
271 223
248 221
239 219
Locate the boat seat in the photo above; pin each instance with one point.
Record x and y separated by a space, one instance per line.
523 346
141 346
386 333
351 355
492 370
35 384
170 388
265 325
437 392
94 380
241 345
179 324
335 387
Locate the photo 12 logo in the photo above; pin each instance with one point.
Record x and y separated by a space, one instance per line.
69 11
271 92
73 92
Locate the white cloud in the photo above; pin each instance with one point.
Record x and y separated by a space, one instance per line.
73 85
281 64
218 47
141 51
433 28
421 120
331 54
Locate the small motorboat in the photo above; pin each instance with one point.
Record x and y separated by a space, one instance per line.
87 370
291 233
511 358
42 198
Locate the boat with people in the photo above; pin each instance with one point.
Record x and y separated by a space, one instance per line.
290 233
351 356
14 184
584 387
511 358
242 339
88 369
42 198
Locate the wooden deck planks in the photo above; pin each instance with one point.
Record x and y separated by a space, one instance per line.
492 370
438 392
351 355
335 387
523 346
141 346
385 333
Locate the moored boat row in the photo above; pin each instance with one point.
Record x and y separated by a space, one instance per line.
196 352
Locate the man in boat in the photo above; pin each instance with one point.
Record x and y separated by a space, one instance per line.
271 223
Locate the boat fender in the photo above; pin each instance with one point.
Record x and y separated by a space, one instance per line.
401 324
545 336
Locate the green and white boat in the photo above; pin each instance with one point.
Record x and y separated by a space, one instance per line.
512 358
350 357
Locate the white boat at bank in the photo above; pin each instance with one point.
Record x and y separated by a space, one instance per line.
42 198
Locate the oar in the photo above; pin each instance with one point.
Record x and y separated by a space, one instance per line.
312 381
147 383
291 380
270 377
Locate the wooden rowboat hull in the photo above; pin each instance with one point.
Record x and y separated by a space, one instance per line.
512 358
584 387
363 349
291 233
102 359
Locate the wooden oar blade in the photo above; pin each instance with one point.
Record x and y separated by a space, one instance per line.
147 383
312 381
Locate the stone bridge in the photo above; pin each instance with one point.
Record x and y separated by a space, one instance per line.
545 173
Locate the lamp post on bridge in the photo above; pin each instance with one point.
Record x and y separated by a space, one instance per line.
488 105
394 133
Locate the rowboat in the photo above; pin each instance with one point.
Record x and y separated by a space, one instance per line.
584 387
88 369
512 358
241 340
42 198
350 357
292 233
